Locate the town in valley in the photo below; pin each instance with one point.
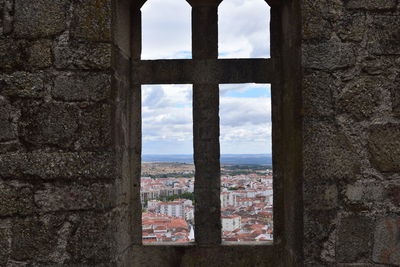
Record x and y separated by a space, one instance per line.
167 197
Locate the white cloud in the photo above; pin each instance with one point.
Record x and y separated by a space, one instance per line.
166 29
245 111
243 29
167 109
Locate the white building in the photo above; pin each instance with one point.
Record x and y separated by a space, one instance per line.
230 223
227 199
174 209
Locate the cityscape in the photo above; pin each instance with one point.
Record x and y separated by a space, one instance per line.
167 196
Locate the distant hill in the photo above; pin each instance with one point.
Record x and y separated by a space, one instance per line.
237 159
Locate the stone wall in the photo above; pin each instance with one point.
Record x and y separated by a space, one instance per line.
57 171
64 195
351 85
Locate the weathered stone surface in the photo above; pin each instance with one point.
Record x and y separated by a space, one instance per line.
10 146
328 55
352 27
15 199
83 56
95 123
8 119
13 55
318 89
318 226
82 86
22 84
396 96
49 123
6 21
384 146
39 18
384 35
393 193
5 242
40 54
386 245
91 241
371 5
377 65
354 239
35 238
328 154
325 199
58 165
361 97
316 25
92 20
74 197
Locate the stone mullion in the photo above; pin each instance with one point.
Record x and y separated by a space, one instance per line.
206 126
134 117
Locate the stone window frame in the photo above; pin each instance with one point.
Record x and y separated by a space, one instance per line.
205 71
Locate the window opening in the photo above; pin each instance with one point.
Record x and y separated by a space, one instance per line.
167 181
166 30
243 29
246 162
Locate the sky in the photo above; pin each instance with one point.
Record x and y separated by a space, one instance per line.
245 109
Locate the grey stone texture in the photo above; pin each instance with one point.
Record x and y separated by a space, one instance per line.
354 238
48 123
39 18
84 56
92 20
351 132
70 86
386 243
66 137
8 119
384 146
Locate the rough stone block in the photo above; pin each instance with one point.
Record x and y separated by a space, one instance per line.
328 154
83 56
393 194
8 119
5 242
371 4
39 18
386 244
6 21
22 84
354 239
352 27
10 146
318 89
35 238
321 196
49 123
92 20
384 35
90 243
396 96
40 54
82 87
95 122
16 199
13 55
315 25
328 55
58 165
384 147
362 96
74 197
